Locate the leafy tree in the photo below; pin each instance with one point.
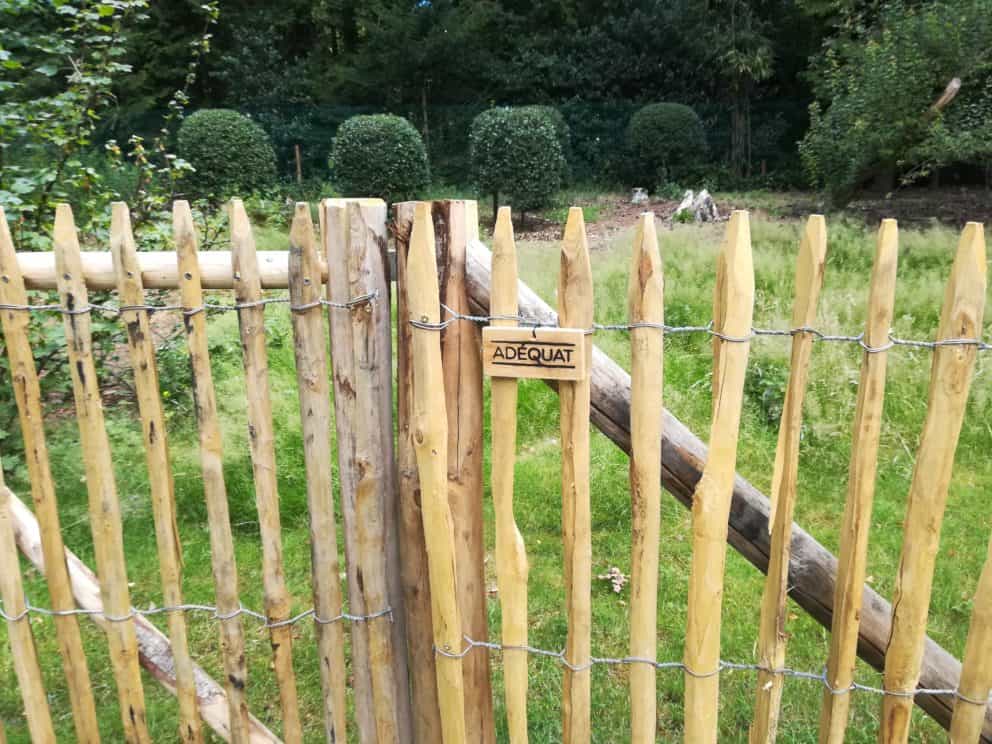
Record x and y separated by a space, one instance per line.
665 140
877 87
380 155
516 152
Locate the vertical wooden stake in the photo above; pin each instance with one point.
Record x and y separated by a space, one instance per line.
511 557
299 163
457 222
261 437
416 585
950 381
27 393
771 630
160 481
711 501
976 672
23 653
853 553
105 510
211 461
575 310
645 305
315 412
431 440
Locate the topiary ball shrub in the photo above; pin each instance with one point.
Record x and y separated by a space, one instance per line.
665 142
564 135
380 155
516 152
231 153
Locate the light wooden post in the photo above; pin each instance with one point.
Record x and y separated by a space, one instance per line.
361 353
771 631
976 671
104 506
27 393
160 480
315 412
225 570
645 305
575 310
430 435
950 381
853 554
733 308
416 585
261 438
24 656
511 556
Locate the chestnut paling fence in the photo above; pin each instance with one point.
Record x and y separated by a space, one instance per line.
411 509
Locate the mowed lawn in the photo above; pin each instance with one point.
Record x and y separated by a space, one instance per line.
689 258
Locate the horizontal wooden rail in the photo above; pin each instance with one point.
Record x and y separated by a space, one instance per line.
812 568
159 270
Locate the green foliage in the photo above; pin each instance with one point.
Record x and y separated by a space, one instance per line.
379 155
516 153
664 141
564 135
876 85
229 153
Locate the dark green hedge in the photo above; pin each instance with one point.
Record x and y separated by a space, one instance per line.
379 155
665 141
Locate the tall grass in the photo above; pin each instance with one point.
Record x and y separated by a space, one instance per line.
689 257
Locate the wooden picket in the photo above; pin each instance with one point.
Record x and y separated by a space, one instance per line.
211 463
160 479
856 523
950 381
733 304
771 628
419 664
315 412
646 315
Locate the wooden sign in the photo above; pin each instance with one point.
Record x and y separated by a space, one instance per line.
540 353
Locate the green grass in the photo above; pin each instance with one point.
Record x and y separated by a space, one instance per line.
689 256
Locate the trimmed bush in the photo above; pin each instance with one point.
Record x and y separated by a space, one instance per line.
665 141
564 135
231 153
379 155
516 153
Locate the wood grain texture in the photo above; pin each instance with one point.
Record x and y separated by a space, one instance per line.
812 568
104 507
511 555
575 310
645 305
416 584
261 440
772 634
430 435
27 393
312 374
853 555
141 348
950 382
155 652
24 656
159 270
534 353
225 572
976 672
455 223
712 498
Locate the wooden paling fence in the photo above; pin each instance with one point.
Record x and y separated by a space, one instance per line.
413 607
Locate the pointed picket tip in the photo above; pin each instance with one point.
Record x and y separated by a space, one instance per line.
422 267
504 271
301 229
242 238
964 298
183 228
644 294
7 252
575 274
734 296
11 281
881 295
120 230
810 265
65 242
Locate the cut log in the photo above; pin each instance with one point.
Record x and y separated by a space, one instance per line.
154 650
812 568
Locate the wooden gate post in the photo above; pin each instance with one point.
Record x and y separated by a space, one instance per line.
361 348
